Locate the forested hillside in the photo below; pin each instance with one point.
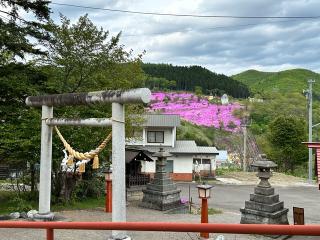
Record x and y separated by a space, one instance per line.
279 121
193 78
288 81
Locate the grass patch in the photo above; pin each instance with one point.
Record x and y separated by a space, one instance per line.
5 198
212 211
224 171
5 181
11 203
88 203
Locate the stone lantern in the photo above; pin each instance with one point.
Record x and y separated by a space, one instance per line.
264 173
264 206
162 193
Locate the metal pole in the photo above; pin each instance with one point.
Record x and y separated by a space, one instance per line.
310 81
189 199
244 165
118 169
45 164
204 216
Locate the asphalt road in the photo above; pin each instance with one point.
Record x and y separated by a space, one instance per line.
232 198
229 198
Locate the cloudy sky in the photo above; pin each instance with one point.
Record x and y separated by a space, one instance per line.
224 45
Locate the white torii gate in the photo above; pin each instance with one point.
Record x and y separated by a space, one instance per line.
117 98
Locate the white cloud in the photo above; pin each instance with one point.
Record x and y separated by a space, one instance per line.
223 45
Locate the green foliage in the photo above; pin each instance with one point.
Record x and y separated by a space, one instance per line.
202 136
10 202
80 57
157 83
187 78
91 187
231 125
198 90
268 83
18 204
18 140
285 137
220 171
16 32
86 203
213 211
282 95
262 113
86 59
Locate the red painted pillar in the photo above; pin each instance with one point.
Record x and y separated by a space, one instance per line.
50 235
317 163
204 216
108 196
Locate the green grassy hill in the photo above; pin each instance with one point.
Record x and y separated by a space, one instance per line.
288 81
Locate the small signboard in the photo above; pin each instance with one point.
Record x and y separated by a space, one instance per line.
298 216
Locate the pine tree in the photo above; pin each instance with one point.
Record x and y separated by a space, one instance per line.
15 31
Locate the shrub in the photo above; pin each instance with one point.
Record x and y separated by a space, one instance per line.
19 204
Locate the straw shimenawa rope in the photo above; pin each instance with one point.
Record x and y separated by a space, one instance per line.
93 154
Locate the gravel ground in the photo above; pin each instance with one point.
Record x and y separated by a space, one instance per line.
134 214
229 198
250 178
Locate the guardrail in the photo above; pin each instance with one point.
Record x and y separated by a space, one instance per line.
306 230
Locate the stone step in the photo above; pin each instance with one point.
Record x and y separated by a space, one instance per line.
264 198
264 207
249 216
265 214
264 191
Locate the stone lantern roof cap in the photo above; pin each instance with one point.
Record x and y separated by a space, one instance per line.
205 186
161 153
264 164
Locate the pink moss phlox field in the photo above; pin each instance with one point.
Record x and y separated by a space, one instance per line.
196 110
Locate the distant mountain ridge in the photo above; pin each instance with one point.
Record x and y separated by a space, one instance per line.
288 81
188 78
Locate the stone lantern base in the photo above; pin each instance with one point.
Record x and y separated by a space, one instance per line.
162 201
264 207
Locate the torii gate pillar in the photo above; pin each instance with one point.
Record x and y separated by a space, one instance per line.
118 168
45 165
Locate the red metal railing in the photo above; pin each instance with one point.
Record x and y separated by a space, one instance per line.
307 230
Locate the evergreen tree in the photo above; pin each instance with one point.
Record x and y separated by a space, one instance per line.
187 78
286 136
15 31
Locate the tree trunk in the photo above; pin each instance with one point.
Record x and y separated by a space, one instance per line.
69 181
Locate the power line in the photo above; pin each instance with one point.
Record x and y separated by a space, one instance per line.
185 15
217 27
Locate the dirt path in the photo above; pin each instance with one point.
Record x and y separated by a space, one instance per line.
250 178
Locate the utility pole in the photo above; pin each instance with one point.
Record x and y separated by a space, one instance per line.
309 96
244 164
244 126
